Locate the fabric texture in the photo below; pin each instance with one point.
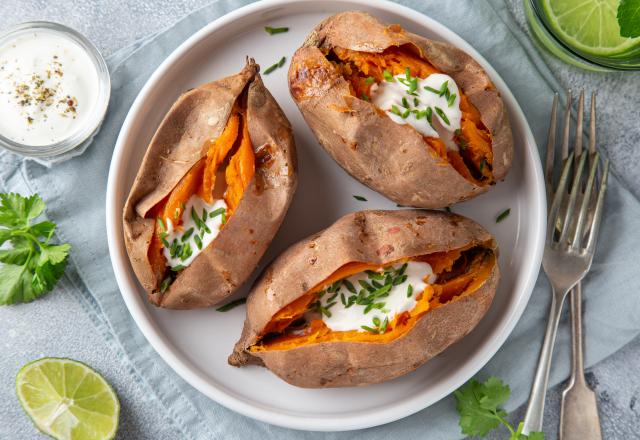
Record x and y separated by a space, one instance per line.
75 195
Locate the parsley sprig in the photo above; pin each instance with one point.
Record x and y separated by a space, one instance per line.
31 265
479 406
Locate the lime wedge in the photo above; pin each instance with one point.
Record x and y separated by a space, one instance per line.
68 400
588 26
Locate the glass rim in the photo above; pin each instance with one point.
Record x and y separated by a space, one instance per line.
592 62
97 115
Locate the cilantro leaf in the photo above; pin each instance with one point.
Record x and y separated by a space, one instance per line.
479 408
30 267
16 210
629 18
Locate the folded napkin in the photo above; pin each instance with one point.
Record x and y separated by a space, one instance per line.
75 194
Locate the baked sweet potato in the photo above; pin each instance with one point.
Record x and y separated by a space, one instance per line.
347 80
212 191
370 298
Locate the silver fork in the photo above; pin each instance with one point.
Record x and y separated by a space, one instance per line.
570 244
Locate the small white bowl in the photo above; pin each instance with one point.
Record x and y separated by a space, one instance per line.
93 121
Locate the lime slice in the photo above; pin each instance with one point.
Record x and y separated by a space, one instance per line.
588 26
68 400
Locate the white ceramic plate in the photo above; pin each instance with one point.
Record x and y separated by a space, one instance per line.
196 343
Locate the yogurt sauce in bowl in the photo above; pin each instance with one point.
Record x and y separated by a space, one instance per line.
54 89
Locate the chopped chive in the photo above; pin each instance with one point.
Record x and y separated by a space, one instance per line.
332 297
178 268
388 76
376 321
364 97
224 218
195 218
186 235
504 214
230 305
406 113
416 102
176 213
384 325
395 110
429 114
198 241
161 225
349 286
370 80
343 299
325 312
275 30
451 99
366 285
432 90
275 66
368 308
457 132
405 103
360 198
444 88
186 251
407 73
165 284
216 212
442 116
403 269
413 86
369 329
409 290
374 275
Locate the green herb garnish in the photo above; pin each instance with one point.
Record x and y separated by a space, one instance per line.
32 265
198 241
504 214
187 235
276 30
444 88
161 225
629 18
275 66
395 110
429 114
360 198
230 305
364 97
166 283
431 89
451 99
479 405
409 290
388 76
370 80
442 115
405 103
369 329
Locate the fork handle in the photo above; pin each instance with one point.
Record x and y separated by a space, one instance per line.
535 408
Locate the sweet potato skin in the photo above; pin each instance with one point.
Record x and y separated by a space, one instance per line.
374 237
181 140
358 137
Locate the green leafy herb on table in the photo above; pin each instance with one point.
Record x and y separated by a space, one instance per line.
29 264
629 18
479 405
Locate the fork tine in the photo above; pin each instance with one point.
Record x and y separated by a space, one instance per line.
597 214
567 126
575 189
577 143
586 200
551 147
592 125
558 198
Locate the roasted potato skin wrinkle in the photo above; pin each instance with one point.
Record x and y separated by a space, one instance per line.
472 268
474 140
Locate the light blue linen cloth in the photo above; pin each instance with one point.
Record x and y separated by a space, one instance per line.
75 195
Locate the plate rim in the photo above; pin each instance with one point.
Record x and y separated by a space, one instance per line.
190 373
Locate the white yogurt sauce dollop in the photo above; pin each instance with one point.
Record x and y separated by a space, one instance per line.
436 97
401 298
188 241
48 88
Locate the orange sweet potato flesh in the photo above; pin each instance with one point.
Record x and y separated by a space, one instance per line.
431 298
201 180
474 140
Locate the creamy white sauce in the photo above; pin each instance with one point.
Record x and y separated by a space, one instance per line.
341 317
197 237
388 96
48 88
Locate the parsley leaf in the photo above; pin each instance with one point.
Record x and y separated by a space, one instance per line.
480 412
629 18
32 265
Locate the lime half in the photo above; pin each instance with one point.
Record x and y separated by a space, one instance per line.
68 400
588 26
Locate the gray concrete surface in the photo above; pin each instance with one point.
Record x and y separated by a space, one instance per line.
113 24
